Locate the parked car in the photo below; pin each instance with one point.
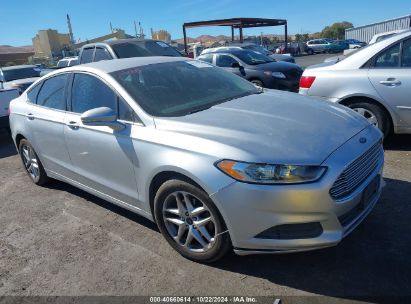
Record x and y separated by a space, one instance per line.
214 161
18 77
325 46
374 81
355 44
382 36
261 70
262 50
5 97
125 48
13 81
67 62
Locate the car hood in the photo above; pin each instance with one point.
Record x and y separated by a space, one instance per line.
23 81
277 66
274 126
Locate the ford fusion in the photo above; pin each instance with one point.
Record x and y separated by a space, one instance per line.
218 163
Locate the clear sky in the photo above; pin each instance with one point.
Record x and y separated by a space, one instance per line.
21 19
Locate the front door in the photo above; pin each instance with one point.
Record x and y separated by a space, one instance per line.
102 158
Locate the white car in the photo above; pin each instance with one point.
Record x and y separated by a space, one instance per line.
375 81
382 36
5 97
67 62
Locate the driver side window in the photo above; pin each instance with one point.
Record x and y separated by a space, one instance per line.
89 92
225 61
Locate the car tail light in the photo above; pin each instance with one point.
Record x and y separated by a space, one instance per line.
306 81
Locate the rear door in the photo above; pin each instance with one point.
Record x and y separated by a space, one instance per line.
45 119
390 74
102 159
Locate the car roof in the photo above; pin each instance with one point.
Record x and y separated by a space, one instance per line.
109 66
229 50
118 41
16 67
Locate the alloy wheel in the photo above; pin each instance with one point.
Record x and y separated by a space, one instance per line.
30 161
189 222
370 116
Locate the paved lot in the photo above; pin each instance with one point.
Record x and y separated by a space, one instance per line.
58 240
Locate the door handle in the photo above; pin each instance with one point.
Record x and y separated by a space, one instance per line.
390 82
30 116
73 125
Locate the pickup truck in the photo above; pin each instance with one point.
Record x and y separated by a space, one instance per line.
125 48
5 97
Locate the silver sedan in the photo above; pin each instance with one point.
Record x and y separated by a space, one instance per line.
374 81
216 162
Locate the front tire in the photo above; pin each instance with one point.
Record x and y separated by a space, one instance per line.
190 222
257 82
374 114
32 163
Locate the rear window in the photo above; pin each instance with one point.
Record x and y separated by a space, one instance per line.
87 55
144 49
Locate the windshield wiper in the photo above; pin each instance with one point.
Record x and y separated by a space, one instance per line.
198 110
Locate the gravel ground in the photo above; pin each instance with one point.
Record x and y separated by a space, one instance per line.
58 240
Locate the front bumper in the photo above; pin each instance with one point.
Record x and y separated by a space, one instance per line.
250 209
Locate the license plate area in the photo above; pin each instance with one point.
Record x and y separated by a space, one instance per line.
370 191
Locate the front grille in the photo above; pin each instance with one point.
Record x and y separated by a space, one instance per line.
357 172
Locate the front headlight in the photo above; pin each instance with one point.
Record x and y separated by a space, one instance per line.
270 174
278 75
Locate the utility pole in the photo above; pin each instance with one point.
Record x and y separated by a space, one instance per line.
135 28
111 27
261 43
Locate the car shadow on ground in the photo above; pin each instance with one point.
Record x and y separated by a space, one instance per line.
7 147
61 186
372 261
398 143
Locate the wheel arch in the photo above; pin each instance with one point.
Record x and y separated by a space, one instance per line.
390 114
170 173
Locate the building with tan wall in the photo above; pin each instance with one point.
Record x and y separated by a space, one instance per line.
161 35
50 43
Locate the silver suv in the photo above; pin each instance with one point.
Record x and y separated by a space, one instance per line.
375 81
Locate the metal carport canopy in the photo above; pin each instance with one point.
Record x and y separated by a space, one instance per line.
236 23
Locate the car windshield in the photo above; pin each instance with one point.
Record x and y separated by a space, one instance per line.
181 88
22 73
252 57
258 49
144 49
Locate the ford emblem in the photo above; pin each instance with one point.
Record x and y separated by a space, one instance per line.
363 140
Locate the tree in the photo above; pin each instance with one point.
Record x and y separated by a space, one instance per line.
298 37
306 37
337 30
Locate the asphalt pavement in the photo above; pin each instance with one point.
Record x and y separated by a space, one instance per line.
58 240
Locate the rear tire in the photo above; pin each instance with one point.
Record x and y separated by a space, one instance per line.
32 163
374 114
190 222
257 82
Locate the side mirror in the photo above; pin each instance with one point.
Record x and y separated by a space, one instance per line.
102 117
235 65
